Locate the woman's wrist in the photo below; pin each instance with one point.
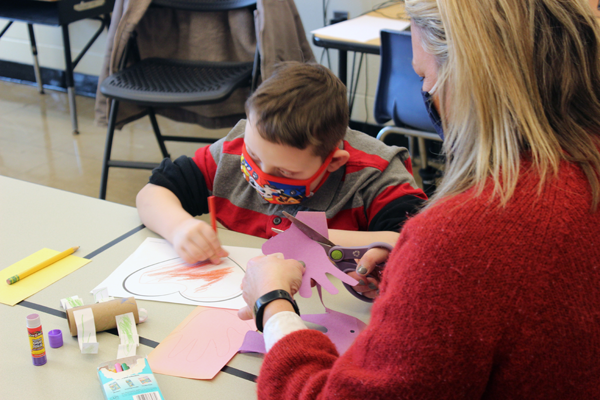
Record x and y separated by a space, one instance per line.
275 307
272 303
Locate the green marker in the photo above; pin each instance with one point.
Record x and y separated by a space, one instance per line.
124 366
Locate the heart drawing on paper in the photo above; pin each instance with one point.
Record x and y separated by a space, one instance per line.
203 282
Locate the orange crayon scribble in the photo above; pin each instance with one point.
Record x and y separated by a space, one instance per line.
212 277
185 272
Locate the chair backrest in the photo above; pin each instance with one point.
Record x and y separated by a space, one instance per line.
398 95
204 5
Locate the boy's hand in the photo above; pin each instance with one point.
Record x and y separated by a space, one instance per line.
195 241
369 286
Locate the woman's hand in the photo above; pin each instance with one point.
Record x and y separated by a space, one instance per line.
369 286
267 273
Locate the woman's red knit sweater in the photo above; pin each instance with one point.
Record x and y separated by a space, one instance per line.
477 301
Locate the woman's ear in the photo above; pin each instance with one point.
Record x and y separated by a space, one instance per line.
340 158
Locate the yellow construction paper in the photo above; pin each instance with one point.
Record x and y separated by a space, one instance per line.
12 294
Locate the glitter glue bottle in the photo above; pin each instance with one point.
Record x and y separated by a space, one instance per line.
36 339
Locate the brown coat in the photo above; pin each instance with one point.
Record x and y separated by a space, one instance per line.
213 36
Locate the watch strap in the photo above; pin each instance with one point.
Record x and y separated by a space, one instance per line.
261 303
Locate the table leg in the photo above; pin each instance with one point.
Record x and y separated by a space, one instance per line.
110 134
343 66
36 64
69 78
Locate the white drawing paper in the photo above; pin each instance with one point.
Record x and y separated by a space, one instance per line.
86 331
128 334
155 272
71 302
101 295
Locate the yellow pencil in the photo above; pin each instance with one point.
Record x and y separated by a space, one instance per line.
41 265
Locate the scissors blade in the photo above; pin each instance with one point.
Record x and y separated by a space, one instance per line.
308 231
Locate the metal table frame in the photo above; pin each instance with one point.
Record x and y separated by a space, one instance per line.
58 13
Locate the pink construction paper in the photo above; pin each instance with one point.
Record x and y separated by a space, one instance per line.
295 244
201 345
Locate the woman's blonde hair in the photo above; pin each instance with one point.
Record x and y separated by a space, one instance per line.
515 78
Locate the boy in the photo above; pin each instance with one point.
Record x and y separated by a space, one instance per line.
293 153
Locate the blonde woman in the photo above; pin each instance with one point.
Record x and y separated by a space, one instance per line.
493 290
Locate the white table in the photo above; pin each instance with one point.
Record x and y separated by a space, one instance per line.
33 217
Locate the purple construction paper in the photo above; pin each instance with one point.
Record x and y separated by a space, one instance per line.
296 245
315 219
342 329
253 343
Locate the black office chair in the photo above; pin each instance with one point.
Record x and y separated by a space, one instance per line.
157 82
399 99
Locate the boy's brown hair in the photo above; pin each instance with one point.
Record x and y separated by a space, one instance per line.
301 105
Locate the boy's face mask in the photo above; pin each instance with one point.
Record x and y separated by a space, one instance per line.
279 190
436 120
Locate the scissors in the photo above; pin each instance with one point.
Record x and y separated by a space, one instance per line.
342 257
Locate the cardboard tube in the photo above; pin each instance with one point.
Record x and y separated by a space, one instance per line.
105 313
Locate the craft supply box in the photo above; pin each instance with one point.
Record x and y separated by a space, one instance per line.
136 383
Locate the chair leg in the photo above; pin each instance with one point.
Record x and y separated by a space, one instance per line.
112 120
411 146
428 177
36 64
255 70
427 173
422 152
159 137
69 78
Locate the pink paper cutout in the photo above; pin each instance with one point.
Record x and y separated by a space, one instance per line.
296 245
201 345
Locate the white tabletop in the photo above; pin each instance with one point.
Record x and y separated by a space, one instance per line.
33 217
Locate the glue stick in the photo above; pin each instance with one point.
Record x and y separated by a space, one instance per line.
36 339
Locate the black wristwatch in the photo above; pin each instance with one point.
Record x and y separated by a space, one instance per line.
261 303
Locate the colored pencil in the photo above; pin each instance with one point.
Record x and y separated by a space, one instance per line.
212 212
41 265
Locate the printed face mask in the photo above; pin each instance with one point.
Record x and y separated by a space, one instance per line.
433 114
279 190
